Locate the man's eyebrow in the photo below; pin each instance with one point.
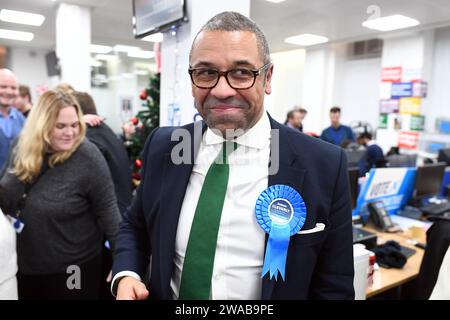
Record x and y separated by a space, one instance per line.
242 63
203 64
238 63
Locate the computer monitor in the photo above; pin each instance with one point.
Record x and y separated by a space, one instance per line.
402 160
444 156
353 174
354 157
429 180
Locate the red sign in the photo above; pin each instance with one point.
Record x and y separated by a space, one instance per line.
391 74
408 139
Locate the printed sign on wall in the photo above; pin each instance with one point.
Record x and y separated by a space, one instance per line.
389 106
410 105
401 90
408 139
391 74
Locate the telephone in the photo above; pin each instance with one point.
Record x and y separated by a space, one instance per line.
379 217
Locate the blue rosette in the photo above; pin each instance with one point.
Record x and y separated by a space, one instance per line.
281 212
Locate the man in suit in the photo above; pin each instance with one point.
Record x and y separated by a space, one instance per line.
231 72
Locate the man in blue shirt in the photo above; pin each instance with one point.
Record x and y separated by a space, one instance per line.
337 133
374 156
11 120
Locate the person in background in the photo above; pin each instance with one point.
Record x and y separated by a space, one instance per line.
112 149
8 256
62 191
293 119
23 101
303 113
374 157
337 132
116 157
11 120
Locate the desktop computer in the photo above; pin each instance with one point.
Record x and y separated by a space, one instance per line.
444 156
426 192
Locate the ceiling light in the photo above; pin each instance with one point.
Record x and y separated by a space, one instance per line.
156 37
16 35
275 1
122 48
95 63
21 17
306 39
107 57
96 48
394 22
141 72
141 54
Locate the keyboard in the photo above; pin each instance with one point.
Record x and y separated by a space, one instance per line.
435 209
410 212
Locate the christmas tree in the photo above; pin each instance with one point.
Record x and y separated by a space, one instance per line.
144 123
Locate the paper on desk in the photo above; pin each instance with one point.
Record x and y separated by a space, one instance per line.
406 223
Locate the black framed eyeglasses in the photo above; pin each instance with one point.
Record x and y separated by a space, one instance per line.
239 78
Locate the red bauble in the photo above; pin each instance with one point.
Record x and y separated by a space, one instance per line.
134 120
138 163
141 127
143 95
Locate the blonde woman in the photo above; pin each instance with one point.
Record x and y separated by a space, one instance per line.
65 196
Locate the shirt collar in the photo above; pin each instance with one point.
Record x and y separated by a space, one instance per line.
256 137
12 113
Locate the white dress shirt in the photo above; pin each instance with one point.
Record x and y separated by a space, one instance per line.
240 240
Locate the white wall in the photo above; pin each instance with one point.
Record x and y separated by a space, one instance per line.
29 67
315 88
439 85
287 83
357 91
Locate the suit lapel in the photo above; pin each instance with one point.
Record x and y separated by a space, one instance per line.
176 178
289 173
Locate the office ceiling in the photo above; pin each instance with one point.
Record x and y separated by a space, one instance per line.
339 20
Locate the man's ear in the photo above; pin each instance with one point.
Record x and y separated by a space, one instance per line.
268 86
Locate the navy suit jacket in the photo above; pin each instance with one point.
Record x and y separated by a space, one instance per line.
319 265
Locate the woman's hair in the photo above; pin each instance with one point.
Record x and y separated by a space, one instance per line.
35 138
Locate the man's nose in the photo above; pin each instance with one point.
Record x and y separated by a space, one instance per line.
223 89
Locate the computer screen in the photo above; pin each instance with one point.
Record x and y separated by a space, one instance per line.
429 179
402 160
444 156
353 174
354 156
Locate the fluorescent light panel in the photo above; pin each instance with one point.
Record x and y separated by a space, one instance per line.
106 57
16 35
156 37
123 48
394 22
275 1
141 54
31 19
306 39
96 48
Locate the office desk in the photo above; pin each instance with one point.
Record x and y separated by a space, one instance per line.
385 279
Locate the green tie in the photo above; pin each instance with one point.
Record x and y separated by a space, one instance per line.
200 251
